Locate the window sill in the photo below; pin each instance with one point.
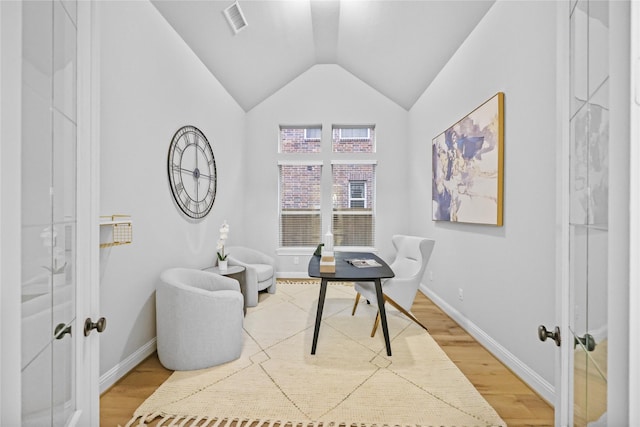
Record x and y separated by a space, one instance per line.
295 251
309 251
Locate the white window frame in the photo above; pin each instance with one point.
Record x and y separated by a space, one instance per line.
327 157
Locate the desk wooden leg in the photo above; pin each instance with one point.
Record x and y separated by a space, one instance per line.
323 294
383 315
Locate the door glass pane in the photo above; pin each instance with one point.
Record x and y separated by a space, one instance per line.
64 60
63 378
597 289
598 152
598 44
37 127
579 387
579 55
37 390
579 169
579 274
590 386
597 386
63 171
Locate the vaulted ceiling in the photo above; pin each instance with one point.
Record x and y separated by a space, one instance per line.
397 47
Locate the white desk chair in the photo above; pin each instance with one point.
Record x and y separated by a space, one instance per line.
412 257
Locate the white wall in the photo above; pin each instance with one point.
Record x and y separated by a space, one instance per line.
327 95
507 273
152 84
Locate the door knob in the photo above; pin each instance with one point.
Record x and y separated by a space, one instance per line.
543 334
588 342
99 326
61 330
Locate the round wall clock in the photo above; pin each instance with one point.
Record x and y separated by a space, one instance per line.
192 172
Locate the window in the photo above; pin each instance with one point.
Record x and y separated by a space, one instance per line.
357 194
353 213
312 134
353 140
343 198
300 139
300 214
348 133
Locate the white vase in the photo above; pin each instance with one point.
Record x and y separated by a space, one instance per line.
222 265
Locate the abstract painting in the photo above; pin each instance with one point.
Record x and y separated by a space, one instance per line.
467 167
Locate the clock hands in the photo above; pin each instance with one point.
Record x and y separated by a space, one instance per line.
195 172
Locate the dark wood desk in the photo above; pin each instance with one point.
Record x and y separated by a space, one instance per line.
346 272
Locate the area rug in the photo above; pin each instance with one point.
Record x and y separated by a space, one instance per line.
350 381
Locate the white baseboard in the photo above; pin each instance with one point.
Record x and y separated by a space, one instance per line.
121 369
545 389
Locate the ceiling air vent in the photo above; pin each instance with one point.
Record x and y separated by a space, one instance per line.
235 17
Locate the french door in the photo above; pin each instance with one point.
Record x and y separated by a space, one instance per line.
589 109
597 375
583 207
50 364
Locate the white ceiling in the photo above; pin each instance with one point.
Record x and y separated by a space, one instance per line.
395 46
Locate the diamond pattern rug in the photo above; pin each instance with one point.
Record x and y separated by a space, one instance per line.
350 381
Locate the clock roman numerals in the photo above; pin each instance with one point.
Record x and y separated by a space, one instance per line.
179 188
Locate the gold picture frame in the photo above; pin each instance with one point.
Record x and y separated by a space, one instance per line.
467 167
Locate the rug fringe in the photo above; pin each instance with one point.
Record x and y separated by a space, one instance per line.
168 420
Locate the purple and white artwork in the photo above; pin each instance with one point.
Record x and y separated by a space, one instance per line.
467 167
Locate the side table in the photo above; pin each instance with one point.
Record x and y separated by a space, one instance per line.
235 272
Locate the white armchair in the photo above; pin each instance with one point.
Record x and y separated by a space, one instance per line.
412 257
260 271
199 317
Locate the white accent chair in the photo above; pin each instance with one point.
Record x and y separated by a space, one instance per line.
412 257
260 271
199 317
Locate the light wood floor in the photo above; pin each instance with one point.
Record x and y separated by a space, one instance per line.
514 401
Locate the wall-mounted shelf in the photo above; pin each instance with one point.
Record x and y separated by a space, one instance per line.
121 228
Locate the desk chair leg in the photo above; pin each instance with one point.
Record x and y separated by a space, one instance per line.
403 311
375 325
356 304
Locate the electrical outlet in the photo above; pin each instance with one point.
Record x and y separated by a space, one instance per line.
460 294
296 260
431 275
